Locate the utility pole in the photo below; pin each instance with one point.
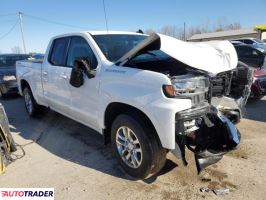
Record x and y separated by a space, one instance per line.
22 31
184 31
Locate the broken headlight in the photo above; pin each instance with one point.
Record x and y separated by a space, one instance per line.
188 86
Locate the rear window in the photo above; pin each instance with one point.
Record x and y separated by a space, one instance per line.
59 51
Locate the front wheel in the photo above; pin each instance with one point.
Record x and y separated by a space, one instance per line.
136 147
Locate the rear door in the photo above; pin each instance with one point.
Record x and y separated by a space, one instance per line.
56 77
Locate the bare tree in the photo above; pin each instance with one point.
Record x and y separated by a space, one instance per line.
192 30
221 24
173 31
149 31
16 49
234 26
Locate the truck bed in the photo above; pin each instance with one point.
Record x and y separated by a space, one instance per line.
30 70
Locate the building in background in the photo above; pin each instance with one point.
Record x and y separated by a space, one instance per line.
262 29
257 32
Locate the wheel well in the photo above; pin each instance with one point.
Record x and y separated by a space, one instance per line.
115 109
24 84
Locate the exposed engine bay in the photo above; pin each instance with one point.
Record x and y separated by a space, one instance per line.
227 91
207 128
230 92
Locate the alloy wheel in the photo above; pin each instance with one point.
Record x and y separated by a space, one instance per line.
129 147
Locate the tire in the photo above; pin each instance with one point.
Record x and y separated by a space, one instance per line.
136 146
33 109
2 96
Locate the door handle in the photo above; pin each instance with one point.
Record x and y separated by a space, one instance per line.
63 76
44 73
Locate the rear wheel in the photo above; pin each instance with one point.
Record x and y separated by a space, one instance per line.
136 147
33 109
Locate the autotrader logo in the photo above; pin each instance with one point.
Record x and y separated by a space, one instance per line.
26 193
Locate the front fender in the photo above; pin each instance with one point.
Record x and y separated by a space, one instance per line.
143 90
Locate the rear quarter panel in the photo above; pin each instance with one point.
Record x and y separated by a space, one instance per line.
30 71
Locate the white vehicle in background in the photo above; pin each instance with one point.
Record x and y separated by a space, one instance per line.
147 95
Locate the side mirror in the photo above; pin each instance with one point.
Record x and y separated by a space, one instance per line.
85 64
76 77
81 66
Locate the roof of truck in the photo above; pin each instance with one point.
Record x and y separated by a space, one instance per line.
113 32
98 33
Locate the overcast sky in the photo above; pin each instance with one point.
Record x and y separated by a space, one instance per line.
129 15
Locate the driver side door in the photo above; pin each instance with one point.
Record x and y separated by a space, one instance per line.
84 99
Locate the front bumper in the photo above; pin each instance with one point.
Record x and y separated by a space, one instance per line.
9 87
210 136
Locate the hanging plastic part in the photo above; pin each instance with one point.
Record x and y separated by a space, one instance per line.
229 139
181 141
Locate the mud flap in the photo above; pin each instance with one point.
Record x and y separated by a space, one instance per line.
207 157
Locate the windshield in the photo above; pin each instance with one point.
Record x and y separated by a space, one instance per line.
114 46
154 55
10 60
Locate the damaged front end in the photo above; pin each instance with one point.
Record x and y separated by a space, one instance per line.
203 129
208 75
229 91
213 135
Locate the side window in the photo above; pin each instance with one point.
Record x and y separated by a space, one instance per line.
240 51
248 41
80 48
246 51
59 50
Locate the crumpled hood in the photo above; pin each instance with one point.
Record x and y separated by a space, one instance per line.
212 57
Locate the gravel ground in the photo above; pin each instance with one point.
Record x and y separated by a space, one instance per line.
58 152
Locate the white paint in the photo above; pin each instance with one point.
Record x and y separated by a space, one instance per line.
141 89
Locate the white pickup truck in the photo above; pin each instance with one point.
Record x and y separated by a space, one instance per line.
147 95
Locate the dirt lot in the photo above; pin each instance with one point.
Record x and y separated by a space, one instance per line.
63 154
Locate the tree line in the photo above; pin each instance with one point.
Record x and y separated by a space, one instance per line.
186 32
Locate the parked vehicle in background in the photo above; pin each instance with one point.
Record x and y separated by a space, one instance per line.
249 55
7 144
8 81
236 42
147 95
256 43
258 87
256 59
37 56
